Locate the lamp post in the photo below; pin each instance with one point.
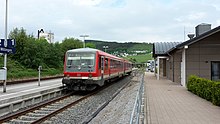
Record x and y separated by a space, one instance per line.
105 47
5 44
84 44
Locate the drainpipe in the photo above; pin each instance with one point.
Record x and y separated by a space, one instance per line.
184 65
173 68
158 68
155 66
172 65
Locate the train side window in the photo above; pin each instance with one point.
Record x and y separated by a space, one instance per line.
100 59
106 63
111 63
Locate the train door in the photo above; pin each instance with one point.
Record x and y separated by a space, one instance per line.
124 67
106 69
102 67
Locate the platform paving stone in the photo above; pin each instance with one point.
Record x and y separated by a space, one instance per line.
170 103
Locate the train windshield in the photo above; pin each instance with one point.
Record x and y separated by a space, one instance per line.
80 61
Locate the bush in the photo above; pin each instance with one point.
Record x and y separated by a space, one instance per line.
207 89
216 94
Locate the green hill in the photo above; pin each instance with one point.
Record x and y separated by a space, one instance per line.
140 58
128 47
135 52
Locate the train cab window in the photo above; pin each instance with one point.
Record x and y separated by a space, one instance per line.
81 59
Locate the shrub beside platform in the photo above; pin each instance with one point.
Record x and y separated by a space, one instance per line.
207 89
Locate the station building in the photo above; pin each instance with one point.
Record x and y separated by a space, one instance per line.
198 56
49 36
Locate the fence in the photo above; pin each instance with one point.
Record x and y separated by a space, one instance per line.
137 116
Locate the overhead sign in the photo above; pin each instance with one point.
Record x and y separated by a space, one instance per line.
10 46
2 42
10 43
7 50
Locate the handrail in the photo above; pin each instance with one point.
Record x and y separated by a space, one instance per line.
137 109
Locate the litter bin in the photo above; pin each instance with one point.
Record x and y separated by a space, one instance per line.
3 73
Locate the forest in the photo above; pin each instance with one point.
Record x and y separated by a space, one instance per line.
32 52
127 47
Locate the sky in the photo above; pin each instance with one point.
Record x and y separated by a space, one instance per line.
111 20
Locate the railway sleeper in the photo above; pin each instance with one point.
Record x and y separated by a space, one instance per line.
28 118
35 114
53 106
17 121
41 112
48 109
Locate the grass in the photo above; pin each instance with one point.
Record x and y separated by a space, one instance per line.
141 58
16 71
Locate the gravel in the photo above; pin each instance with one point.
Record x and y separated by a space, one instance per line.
117 111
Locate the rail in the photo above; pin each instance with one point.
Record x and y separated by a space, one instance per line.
138 109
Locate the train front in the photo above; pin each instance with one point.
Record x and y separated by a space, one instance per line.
80 69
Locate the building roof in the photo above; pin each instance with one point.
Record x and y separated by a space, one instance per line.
161 48
196 39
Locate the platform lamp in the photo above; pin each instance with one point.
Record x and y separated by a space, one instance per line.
105 48
84 36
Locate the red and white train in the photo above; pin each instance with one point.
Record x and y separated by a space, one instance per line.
87 68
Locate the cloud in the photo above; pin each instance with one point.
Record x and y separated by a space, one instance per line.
112 20
65 22
85 2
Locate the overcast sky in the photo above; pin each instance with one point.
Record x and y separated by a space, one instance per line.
111 20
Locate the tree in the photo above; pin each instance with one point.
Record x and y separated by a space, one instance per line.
21 38
90 45
71 43
54 58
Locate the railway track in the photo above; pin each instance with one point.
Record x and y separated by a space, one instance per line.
42 112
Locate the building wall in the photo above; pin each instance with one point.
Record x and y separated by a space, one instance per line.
177 66
174 66
170 68
48 36
163 67
200 55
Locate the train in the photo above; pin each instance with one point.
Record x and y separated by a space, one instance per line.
86 68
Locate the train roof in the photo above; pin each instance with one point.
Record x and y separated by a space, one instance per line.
83 50
96 50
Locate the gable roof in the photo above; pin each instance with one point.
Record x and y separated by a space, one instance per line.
196 39
161 48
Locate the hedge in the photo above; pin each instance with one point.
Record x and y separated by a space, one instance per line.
207 89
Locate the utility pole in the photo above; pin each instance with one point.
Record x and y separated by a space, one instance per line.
84 44
5 45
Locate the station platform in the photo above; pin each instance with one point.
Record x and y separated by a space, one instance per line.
21 88
170 103
21 95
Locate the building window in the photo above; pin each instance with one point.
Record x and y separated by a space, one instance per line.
215 71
